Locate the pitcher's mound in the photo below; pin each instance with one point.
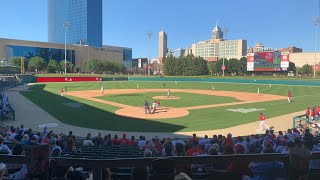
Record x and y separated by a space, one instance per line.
166 97
161 113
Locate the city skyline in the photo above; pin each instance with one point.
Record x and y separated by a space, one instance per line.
275 24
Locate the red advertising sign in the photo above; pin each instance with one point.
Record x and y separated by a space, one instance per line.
266 55
250 57
284 56
223 68
67 79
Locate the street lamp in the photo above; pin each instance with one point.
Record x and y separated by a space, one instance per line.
66 25
149 34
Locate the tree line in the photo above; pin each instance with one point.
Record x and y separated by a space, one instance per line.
53 66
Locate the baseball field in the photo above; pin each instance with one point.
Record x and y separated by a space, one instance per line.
191 106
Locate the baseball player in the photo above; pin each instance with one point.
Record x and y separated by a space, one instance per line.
146 107
168 94
102 90
289 96
263 121
154 106
212 87
61 92
258 91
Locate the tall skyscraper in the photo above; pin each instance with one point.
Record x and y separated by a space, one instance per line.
163 49
84 18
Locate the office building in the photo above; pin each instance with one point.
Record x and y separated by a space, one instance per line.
81 20
78 55
163 48
291 49
178 52
217 47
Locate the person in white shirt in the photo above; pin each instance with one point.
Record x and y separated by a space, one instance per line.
88 141
4 149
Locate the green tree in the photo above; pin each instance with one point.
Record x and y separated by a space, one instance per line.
219 64
95 66
37 63
234 66
306 69
243 65
69 66
53 66
211 68
292 67
168 66
15 61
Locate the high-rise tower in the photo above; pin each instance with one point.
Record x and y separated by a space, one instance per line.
163 49
84 18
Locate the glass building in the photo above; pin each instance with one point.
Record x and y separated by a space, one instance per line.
127 57
46 53
85 22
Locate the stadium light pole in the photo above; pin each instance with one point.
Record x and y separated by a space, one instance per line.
149 34
316 22
225 32
66 25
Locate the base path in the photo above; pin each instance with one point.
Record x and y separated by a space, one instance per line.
170 112
34 117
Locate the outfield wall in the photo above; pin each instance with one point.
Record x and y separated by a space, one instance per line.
231 80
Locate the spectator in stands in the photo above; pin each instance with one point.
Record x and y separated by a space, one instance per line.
228 140
98 140
151 147
115 140
194 138
179 149
168 149
289 135
147 153
299 158
177 140
4 148
22 128
19 136
124 140
25 139
107 141
268 148
228 149
88 141
72 136
279 146
214 139
56 150
34 140
267 170
142 142
70 146
3 171
132 142
204 141
47 139
194 151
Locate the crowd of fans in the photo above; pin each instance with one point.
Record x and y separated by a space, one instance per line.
6 111
297 143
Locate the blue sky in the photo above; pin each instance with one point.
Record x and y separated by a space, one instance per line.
275 23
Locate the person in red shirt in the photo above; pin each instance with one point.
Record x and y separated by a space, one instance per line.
115 140
307 114
194 138
289 96
124 139
194 151
263 121
61 92
132 142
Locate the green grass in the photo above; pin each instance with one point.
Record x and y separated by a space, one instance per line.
186 99
101 116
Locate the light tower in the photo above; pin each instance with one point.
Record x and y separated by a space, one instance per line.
66 25
316 21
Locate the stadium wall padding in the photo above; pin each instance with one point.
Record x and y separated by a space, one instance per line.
232 80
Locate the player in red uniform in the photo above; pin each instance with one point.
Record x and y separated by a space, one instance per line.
289 96
263 121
